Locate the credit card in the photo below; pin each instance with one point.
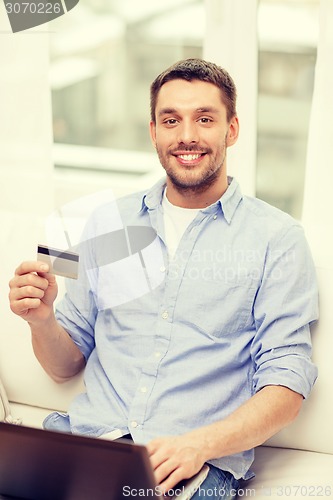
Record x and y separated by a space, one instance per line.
61 262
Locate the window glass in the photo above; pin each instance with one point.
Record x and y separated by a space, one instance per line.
288 32
105 54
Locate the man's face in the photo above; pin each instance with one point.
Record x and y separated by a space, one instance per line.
191 133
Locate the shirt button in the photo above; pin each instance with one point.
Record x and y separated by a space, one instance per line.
215 217
162 269
134 424
143 389
165 315
157 354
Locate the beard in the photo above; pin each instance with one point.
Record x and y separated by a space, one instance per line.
196 179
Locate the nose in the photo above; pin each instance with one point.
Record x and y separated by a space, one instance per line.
188 132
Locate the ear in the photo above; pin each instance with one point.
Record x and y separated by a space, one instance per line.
152 129
233 131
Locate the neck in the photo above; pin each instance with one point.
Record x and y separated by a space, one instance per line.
194 197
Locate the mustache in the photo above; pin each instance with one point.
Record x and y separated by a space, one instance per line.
189 149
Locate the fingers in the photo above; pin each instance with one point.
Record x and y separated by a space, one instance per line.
29 286
173 459
158 460
30 267
171 484
35 268
168 469
26 280
23 306
156 453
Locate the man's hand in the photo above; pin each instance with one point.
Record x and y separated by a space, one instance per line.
180 457
32 292
175 458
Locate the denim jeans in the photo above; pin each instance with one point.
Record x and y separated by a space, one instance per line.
218 485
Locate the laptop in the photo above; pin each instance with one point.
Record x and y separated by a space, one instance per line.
37 464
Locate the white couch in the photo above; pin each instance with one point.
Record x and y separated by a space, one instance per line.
298 462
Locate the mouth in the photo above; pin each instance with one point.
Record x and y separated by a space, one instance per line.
189 158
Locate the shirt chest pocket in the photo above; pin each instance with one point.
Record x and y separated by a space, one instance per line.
218 304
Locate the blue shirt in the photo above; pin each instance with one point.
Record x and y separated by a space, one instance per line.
174 345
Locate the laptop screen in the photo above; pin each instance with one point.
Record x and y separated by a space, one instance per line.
44 465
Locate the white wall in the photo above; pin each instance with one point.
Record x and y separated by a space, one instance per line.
26 189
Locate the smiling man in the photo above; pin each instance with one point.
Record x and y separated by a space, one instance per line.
215 358
192 126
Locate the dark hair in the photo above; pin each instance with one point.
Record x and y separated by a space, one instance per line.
197 69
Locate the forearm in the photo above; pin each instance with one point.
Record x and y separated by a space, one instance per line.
55 350
252 424
174 458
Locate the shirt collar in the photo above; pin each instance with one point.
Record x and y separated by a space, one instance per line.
153 197
228 202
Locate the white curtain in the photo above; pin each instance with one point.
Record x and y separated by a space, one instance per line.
317 205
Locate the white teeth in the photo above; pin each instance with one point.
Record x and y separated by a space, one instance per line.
189 157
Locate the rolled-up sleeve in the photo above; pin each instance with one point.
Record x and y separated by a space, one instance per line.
285 306
76 314
77 311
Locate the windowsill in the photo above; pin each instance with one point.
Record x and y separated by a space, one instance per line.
82 170
71 156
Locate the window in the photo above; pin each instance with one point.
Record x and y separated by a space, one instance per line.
288 33
104 56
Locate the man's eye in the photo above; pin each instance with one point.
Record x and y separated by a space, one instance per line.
170 121
205 120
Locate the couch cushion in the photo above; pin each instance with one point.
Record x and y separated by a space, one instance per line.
312 430
30 416
285 473
24 379
4 404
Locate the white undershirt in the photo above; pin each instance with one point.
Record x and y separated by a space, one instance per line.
176 220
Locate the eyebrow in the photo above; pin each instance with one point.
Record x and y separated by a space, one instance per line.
167 111
207 109
204 109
